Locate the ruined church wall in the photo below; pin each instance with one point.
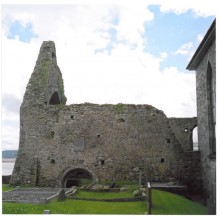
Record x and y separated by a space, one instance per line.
183 130
120 135
109 141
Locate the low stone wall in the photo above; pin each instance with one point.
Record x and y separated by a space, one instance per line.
132 199
142 198
102 190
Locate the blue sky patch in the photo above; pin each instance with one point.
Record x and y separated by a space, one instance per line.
24 33
167 32
113 35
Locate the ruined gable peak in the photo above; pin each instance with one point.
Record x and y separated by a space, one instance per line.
46 84
47 52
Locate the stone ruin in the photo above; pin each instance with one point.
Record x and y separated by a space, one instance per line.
61 145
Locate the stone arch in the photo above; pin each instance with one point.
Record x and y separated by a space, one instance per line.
55 99
77 177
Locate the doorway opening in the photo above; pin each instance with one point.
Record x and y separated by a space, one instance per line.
77 177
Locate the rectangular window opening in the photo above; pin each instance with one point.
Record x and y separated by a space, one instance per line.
162 160
52 134
52 161
121 120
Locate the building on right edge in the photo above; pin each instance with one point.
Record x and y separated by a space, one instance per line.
204 63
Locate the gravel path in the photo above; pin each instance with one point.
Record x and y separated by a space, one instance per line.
33 195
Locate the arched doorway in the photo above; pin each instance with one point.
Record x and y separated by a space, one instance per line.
77 177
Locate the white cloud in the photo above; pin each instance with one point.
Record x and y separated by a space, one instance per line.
185 49
131 26
203 8
10 129
180 87
18 60
126 75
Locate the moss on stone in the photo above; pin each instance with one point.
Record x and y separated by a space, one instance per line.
61 90
39 80
119 108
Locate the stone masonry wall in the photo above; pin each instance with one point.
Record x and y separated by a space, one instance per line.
208 161
81 136
183 129
108 141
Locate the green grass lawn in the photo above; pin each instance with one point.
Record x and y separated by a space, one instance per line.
76 207
7 187
169 203
164 203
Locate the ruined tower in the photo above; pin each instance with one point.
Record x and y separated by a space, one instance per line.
63 145
44 90
45 85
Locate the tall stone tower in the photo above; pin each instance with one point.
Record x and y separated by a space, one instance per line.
44 88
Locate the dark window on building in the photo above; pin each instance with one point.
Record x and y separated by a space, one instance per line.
53 55
211 92
52 161
121 120
98 136
168 140
52 134
102 162
72 117
162 160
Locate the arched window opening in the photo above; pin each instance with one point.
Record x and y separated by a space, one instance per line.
54 99
195 139
211 91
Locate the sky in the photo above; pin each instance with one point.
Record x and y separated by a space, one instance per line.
125 52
